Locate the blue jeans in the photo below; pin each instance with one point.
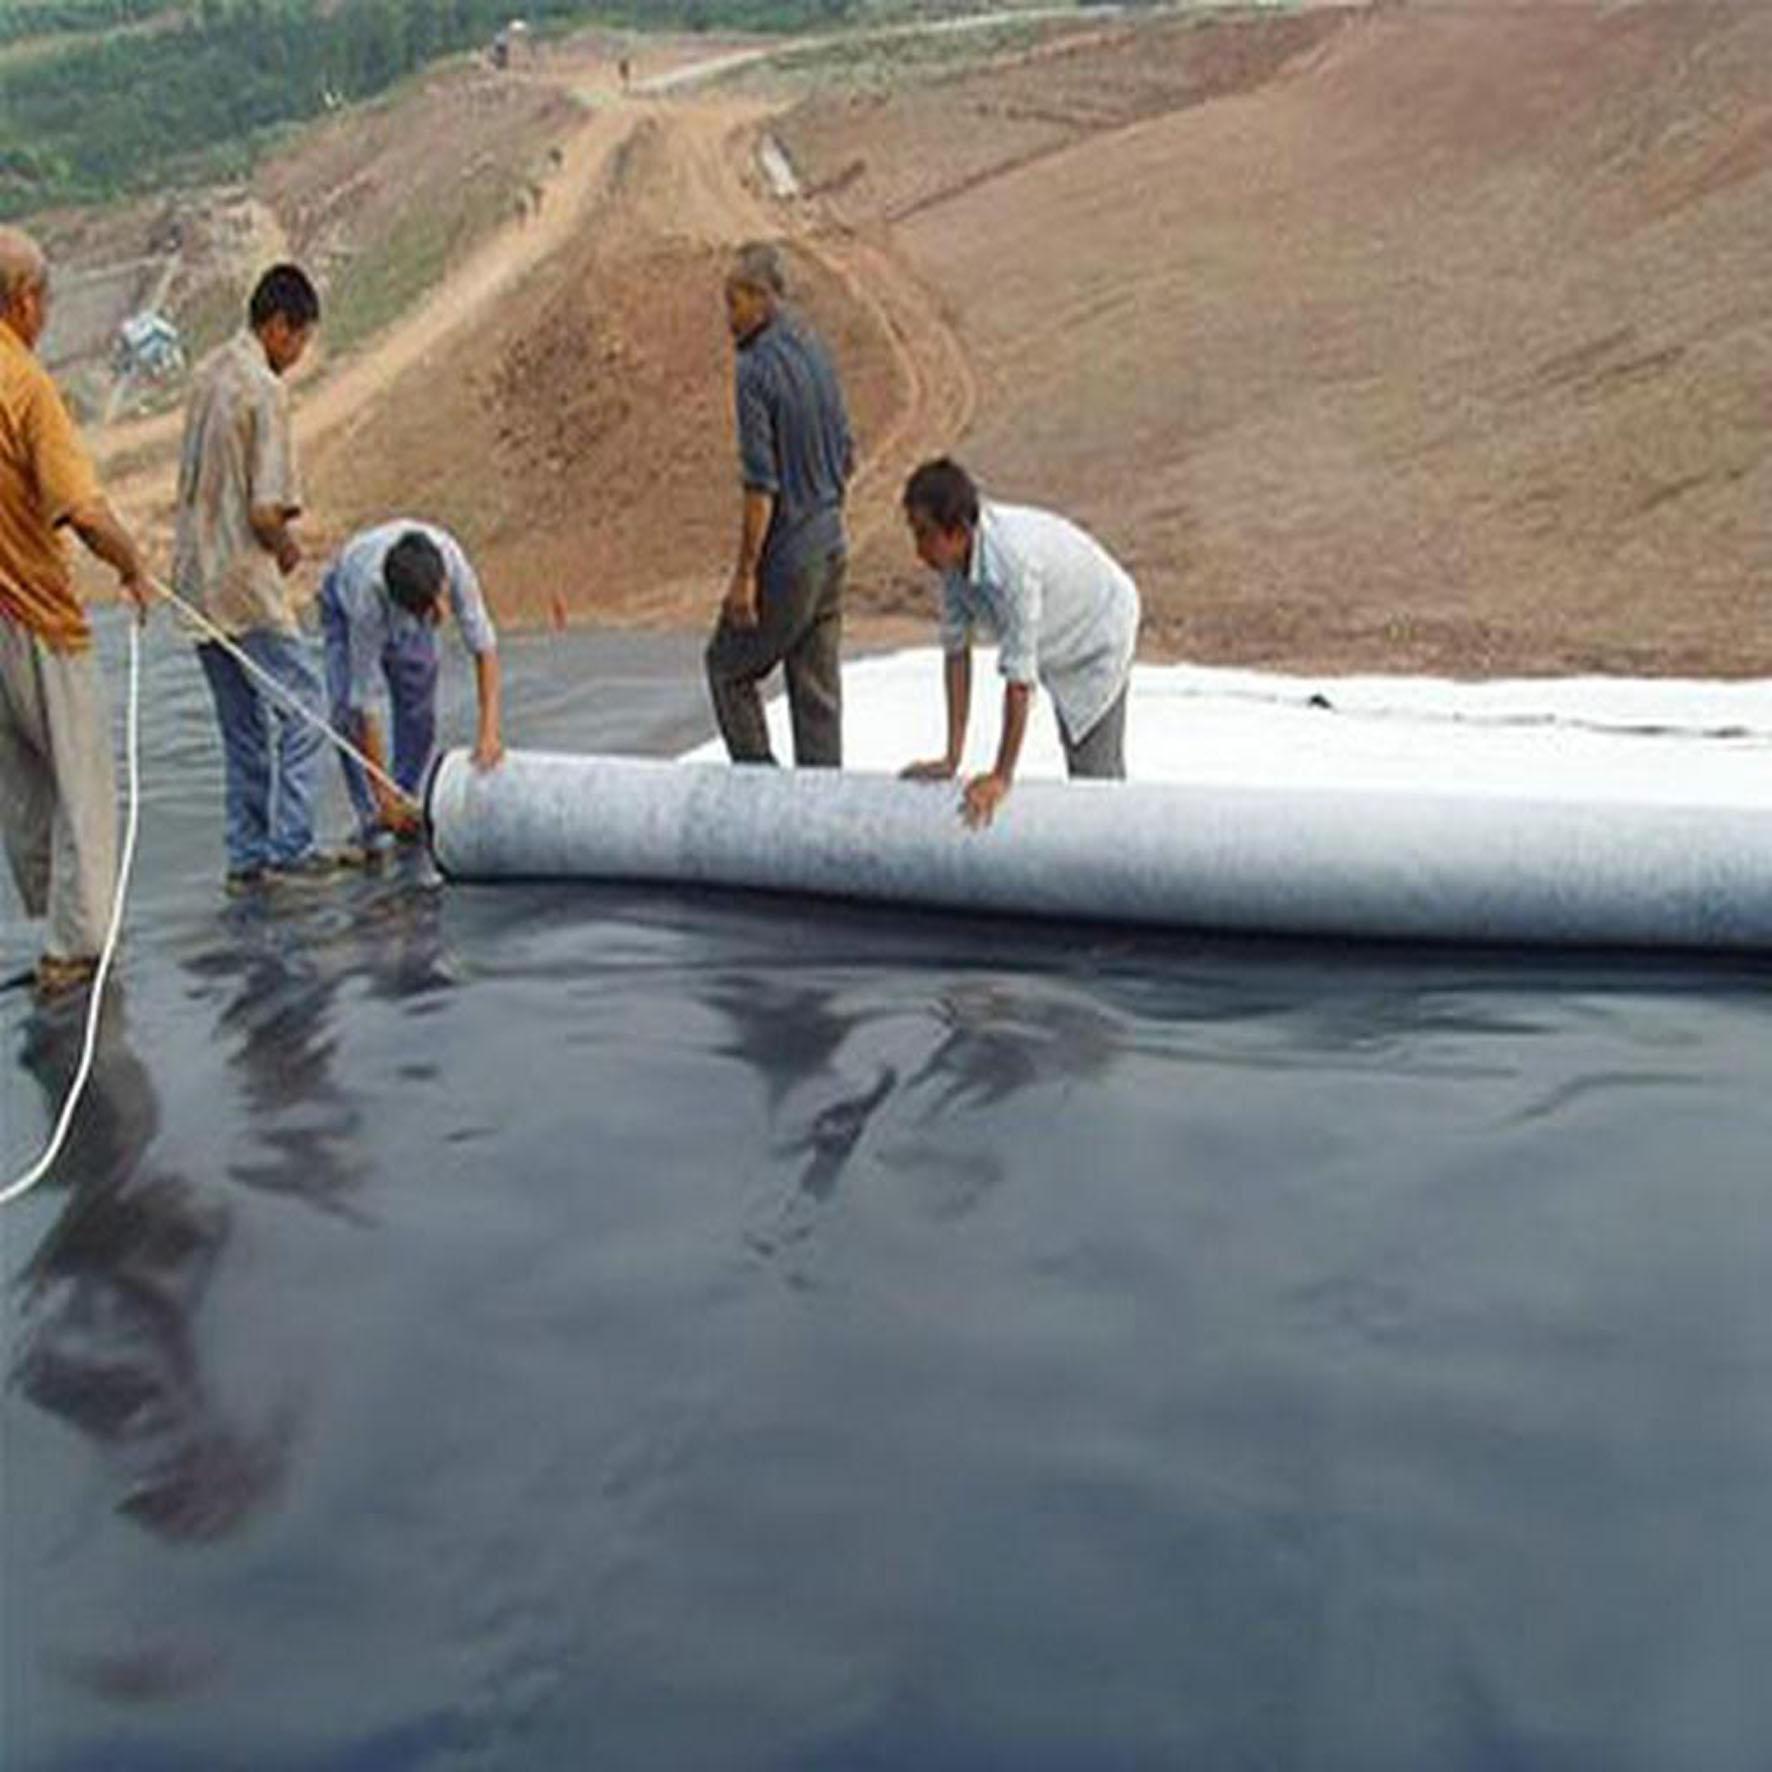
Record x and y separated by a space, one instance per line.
409 664
272 757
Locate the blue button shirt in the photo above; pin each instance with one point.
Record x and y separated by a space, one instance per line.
794 441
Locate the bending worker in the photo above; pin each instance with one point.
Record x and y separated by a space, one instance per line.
58 796
380 603
1064 613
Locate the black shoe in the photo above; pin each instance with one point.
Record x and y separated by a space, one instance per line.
319 867
243 882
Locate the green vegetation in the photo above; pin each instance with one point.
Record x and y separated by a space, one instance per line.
112 114
53 18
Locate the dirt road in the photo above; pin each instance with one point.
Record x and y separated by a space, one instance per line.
702 189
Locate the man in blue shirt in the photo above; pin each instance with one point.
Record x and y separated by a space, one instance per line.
380 603
784 604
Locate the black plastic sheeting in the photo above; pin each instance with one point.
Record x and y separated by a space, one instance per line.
530 1327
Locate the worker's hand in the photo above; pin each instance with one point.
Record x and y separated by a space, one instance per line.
982 796
740 606
288 553
931 769
401 817
489 751
138 588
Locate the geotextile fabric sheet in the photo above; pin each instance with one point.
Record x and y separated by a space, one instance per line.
1384 861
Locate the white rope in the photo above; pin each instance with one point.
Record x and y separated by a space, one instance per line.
132 750
205 626
132 743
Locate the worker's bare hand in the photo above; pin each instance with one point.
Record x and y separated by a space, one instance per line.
489 752
137 588
402 818
740 606
289 555
983 795
930 769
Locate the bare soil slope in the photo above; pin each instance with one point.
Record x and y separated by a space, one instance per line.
581 438
1414 337
1448 346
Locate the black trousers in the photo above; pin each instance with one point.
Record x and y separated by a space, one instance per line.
799 627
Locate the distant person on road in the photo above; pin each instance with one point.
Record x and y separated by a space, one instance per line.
239 493
784 604
1063 611
58 794
380 604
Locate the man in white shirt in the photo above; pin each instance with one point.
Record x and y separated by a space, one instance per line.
1063 611
380 603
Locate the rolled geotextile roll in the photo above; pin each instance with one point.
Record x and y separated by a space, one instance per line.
1354 862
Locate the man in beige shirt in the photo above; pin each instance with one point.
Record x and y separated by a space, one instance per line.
57 787
239 494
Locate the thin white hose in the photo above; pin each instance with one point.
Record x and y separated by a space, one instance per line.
95 1003
200 621
132 728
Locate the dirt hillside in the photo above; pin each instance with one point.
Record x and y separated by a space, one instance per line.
1446 347
1423 336
582 438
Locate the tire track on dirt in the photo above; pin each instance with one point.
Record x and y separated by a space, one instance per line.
939 388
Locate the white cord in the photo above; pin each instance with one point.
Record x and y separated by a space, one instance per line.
95 1003
204 625
132 728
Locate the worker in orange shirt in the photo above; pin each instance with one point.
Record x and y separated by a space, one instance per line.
58 795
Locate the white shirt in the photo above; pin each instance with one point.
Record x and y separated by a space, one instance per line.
1063 611
373 618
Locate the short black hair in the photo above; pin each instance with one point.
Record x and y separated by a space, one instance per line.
944 492
286 290
413 570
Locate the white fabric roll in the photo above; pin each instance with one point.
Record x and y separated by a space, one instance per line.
1319 860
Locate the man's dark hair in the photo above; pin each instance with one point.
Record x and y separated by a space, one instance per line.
942 491
413 570
758 265
285 290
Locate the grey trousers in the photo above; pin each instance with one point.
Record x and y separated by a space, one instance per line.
1100 754
58 790
800 627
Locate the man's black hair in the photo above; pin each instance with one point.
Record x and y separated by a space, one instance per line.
413 570
285 290
942 491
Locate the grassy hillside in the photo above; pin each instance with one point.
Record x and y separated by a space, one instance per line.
26 19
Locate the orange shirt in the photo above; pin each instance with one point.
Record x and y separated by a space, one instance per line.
45 475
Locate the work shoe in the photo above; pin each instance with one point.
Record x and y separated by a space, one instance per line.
243 882
58 974
319 867
367 853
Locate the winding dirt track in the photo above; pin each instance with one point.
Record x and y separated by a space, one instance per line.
714 199
709 195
